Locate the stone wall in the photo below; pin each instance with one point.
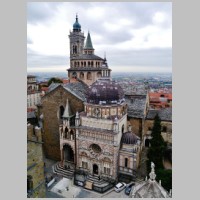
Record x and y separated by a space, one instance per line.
35 163
167 135
136 124
51 104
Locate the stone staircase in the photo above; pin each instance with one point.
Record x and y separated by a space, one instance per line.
96 181
67 173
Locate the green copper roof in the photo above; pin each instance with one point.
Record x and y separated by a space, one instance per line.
77 26
88 44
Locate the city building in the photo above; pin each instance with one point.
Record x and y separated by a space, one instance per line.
159 100
33 92
31 83
35 164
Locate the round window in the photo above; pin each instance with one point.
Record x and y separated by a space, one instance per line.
96 148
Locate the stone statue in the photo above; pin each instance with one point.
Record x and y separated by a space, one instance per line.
152 165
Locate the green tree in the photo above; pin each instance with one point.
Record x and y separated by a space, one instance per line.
165 175
156 153
55 80
158 146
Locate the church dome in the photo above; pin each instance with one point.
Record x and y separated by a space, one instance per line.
76 25
129 138
105 92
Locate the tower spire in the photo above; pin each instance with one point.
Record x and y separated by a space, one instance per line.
88 44
67 112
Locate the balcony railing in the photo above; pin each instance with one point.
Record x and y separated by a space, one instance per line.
126 170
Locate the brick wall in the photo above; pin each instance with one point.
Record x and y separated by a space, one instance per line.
50 107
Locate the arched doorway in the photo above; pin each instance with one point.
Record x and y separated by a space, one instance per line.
68 153
95 169
147 143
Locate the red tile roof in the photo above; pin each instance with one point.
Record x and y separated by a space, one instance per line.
155 95
65 81
44 89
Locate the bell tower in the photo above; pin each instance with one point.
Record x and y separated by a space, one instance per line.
85 66
76 38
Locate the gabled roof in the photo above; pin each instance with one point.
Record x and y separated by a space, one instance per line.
136 105
165 114
77 89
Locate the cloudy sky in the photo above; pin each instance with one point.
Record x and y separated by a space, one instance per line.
135 36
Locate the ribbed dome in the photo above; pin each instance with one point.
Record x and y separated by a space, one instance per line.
129 138
105 92
76 25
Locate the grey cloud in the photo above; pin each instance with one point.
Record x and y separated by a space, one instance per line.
41 11
150 57
38 60
117 37
139 12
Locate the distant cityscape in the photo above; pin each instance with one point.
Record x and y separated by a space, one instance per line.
152 80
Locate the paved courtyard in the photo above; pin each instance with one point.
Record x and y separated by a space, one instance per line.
64 188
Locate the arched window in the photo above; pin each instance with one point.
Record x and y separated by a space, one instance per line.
66 132
89 76
84 163
71 135
74 75
89 63
106 168
61 111
123 128
81 75
164 129
75 50
126 162
84 64
98 74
